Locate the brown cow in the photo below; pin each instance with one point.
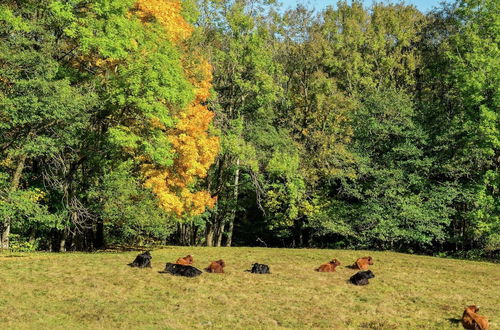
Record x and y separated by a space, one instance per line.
362 263
329 266
187 260
471 320
216 266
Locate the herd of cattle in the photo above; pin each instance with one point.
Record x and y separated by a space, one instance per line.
183 267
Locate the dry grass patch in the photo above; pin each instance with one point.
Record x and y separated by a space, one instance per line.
98 290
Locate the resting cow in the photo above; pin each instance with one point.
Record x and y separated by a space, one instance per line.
260 269
181 270
472 320
187 260
329 266
361 278
363 263
216 266
143 260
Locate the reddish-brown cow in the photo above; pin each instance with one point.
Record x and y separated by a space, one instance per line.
363 263
187 260
216 266
329 266
472 320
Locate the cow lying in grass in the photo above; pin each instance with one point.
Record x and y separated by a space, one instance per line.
216 266
361 278
329 266
187 260
181 270
260 269
143 260
362 263
472 320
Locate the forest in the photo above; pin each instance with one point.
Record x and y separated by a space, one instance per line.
240 123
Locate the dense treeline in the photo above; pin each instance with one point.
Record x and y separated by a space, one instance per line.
224 122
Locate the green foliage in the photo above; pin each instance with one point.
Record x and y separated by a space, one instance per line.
18 244
190 11
26 209
286 191
247 91
389 203
371 49
460 108
352 127
84 87
130 212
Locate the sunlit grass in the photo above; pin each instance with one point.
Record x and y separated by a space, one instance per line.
98 290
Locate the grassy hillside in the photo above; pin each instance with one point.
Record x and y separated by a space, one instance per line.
77 290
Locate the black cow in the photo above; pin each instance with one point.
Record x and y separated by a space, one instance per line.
361 278
260 269
143 260
181 270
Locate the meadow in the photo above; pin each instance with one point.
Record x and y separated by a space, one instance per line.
99 291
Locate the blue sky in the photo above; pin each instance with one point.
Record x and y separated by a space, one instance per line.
422 5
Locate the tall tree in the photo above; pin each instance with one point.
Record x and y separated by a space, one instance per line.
460 108
44 108
247 87
87 86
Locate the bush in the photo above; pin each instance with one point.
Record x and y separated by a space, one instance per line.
18 244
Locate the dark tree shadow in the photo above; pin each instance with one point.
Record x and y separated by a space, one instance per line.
125 248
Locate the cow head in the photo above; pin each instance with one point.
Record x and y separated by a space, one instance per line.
369 274
472 308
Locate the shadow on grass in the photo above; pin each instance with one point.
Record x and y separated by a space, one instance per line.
13 256
454 320
125 248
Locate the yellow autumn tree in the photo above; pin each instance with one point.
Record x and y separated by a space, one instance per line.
195 149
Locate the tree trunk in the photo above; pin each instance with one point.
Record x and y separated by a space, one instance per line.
99 235
182 234
210 235
17 174
4 235
32 235
235 196
194 234
185 233
219 235
299 239
212 227
62 242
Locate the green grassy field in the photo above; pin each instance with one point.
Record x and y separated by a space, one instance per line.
98 290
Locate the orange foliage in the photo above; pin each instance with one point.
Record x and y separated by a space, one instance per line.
195 152
194 148
168 14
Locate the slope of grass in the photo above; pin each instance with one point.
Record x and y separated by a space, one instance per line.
77 291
